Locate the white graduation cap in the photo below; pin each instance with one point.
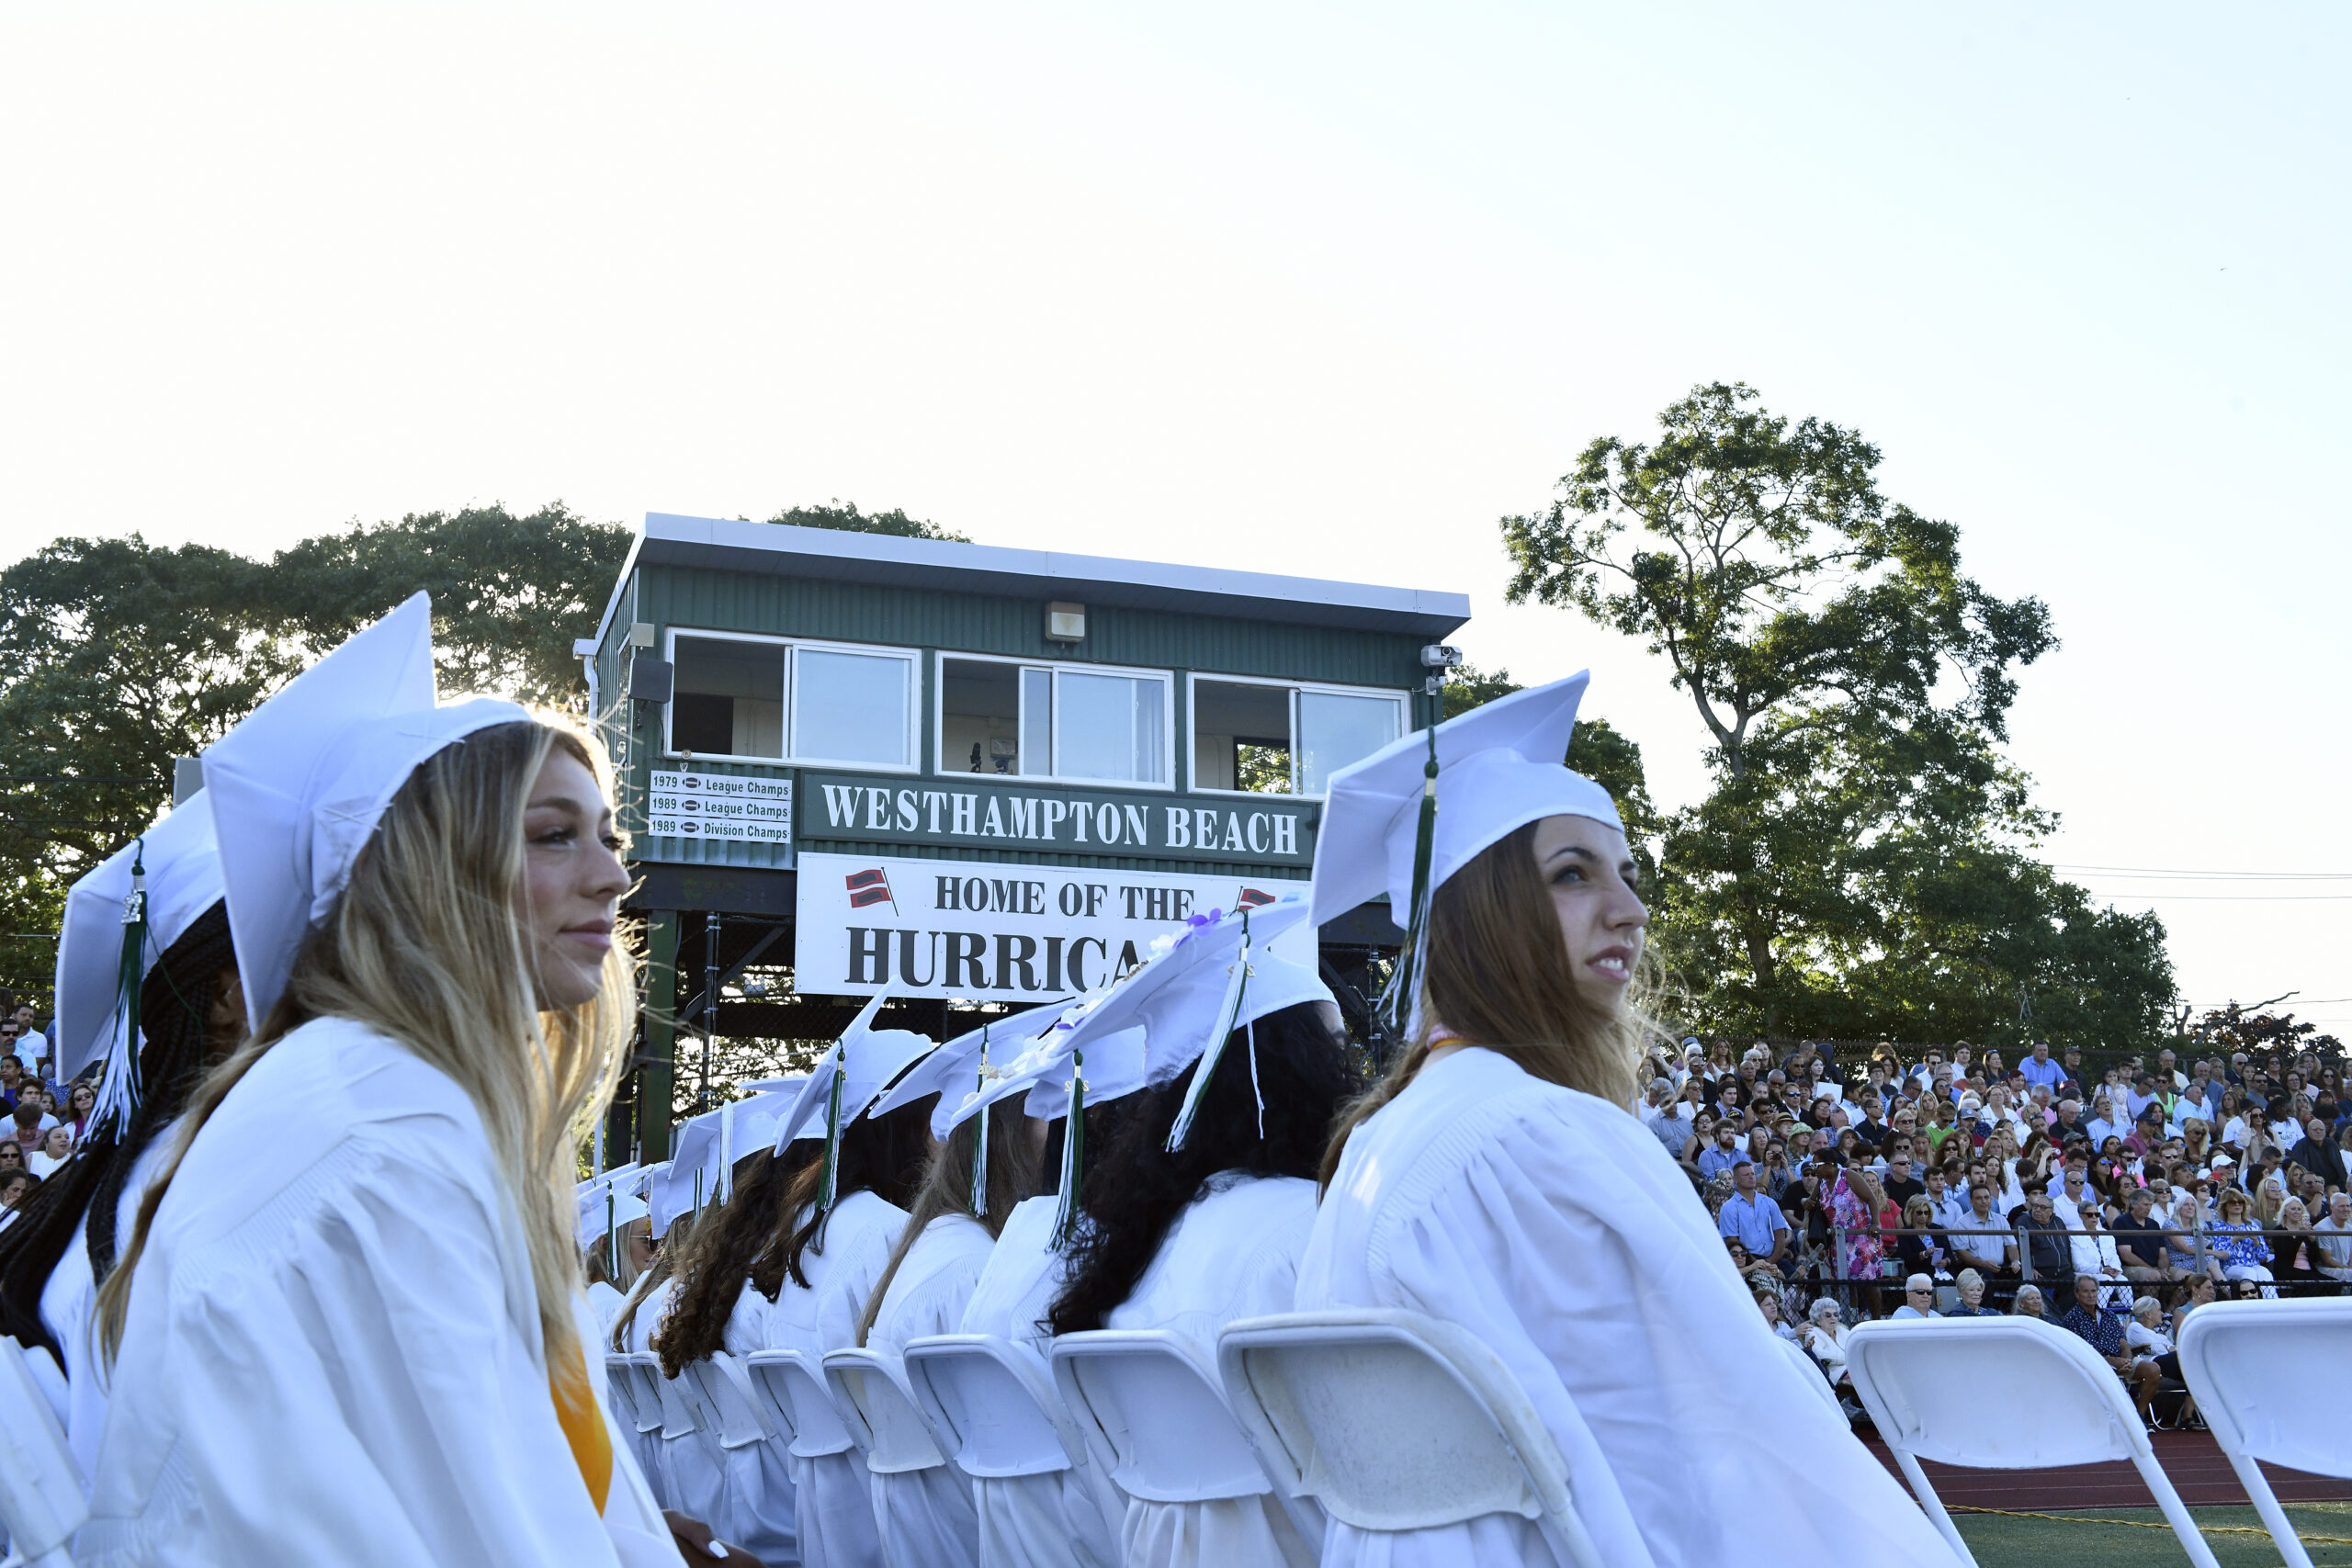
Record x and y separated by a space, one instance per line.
1416 811
848 1078
178 872
298 787
607 1214
1115 1067
953 1072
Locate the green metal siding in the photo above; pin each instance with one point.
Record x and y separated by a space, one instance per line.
974 623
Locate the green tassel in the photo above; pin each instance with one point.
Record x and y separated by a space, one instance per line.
119 1091
612 1241
1398 1001
833 1141
1073 1151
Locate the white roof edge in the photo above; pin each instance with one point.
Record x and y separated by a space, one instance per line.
1007 561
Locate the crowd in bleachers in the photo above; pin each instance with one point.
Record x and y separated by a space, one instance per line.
2110 1202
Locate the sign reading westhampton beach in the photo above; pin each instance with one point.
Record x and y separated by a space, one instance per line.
720 806
1271 829
991 932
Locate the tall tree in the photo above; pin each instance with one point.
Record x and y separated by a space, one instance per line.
844 514
1858 864
509 593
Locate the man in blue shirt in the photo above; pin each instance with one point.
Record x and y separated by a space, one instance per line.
2039 1068
1753 1220
1723 1154
2103 1332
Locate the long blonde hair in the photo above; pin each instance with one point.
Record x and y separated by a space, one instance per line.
948 1189
426 946
1498 977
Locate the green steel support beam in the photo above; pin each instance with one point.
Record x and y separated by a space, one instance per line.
659 1063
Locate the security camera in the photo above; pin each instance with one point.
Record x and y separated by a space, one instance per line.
1438 656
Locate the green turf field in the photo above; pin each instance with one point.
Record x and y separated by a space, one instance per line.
2000 1542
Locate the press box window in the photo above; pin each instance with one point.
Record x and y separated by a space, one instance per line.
1045 722
1276 740
730 697
844 705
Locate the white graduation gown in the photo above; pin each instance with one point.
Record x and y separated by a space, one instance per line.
927 1517
651 1447
69 1302
605 1300
756 1508
332 1354
1055 1520
1233 1253
1555 1228
832 1503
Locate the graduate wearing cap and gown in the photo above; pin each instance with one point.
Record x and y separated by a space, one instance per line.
144 985
1545 1219
346 1353
847 1235
1065 1518
1199 1212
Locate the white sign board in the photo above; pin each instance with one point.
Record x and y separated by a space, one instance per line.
720 806
990 931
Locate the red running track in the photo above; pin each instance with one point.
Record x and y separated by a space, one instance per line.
2193 1458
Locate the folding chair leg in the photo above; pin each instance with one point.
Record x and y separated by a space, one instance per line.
2192 1539
1935 1505
2274 1517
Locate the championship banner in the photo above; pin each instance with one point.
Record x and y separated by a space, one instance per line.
718 806
989 931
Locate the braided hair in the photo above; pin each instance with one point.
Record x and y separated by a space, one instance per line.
175 1004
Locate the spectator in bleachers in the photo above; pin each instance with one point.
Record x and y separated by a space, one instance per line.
85 1102
56 1148
1825 1337
1919 1298
2029 1302
1971 1288
2103 1331
2295 1245
1753 1219
2044 1246
2237 1243
2335 1233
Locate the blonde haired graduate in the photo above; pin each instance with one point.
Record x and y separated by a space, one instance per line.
1497 1179
350 1326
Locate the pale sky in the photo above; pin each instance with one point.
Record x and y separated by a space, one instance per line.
1320 290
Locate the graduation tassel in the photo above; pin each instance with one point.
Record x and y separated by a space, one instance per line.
726 1151
1073 1151
119 1091
980 1138
697 1193
1400 1002
612 1242
832 1140
1237 984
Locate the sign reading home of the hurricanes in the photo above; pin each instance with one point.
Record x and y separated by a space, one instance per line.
1269 830
720 806
996 930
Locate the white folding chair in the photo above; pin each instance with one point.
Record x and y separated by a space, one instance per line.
2249 1364
43 1497
639 1408
871 1385
1150 1407
726 1394
1394 1421
763 1372
815 1421
993 1408
1944 1390
1812 1371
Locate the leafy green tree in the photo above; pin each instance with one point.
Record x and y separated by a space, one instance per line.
1859 865
509 593
115 657
845 515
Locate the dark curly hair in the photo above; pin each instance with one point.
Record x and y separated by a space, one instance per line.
759 1234
175 1004
1136 1190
